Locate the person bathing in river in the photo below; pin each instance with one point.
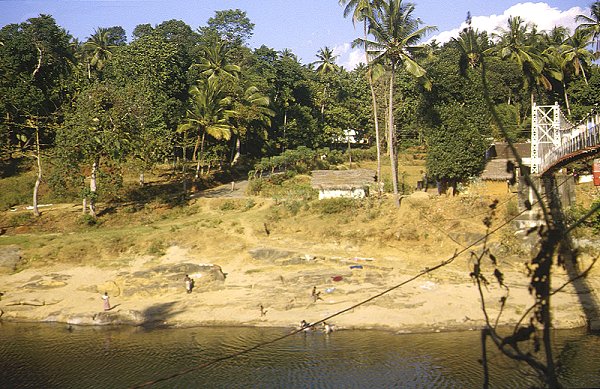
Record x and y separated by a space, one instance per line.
327 328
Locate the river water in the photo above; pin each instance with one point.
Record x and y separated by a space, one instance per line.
55 356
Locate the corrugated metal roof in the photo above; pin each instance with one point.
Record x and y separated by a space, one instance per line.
342 179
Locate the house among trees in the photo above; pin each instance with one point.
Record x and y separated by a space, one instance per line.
351 136
501 169
343 183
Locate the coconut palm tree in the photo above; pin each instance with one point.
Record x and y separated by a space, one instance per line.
100 50
214 62
396 33
359 10
591 25
326 61
288 53
208 115
571 57
517 43
325 65
251 110
576 54
472 45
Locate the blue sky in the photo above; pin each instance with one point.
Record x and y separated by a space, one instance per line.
304 26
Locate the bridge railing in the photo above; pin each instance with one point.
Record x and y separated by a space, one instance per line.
586 135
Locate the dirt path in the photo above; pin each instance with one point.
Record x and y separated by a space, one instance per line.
232 190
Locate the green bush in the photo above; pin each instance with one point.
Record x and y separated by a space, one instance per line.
16 190
256 186
512 209
20 219
576 212
336 206
157 248
363 154
88 220
228 206
294 206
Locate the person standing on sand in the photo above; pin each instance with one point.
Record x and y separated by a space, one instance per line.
188 283
106 302
316 295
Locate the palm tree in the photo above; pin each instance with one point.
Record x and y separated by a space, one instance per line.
214 62
326 61
517 43
591 25
251 110
576 54
288 53
471 44
208 115
100 49
359 10
396 33
571 56
326 65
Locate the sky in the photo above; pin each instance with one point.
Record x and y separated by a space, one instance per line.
303 26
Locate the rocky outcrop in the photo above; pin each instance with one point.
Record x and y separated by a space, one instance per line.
164 278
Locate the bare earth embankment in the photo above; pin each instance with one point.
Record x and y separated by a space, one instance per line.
244 253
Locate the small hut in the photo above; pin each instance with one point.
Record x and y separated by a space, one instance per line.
343 183
502 170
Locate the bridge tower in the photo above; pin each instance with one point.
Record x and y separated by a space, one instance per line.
545 132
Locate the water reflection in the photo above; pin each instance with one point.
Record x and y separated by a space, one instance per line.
51 356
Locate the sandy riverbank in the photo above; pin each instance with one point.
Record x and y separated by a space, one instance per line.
149 290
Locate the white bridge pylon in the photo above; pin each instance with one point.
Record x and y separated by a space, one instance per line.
554 138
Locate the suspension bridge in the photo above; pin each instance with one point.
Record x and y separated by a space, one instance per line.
555 142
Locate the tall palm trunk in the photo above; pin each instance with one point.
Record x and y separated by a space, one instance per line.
200 164
391 137
93 186
237 152
566 98
38 180
375 117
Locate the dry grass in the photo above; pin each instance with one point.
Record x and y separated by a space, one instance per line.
224 227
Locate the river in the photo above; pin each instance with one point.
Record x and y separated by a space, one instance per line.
57 356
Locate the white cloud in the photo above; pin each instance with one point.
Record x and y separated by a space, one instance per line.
541 14
348 57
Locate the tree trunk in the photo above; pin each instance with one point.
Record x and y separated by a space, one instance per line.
38 180
284 127
375 116
349 153
391 140
238 151
93 187
323 102
584 76
141 179
198 140
566 99
200 163
39 64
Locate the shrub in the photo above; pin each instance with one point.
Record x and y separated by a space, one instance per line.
16 190
20 219
336 206
228 206
88 220
156 248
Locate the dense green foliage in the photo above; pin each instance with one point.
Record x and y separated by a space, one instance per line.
177 94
